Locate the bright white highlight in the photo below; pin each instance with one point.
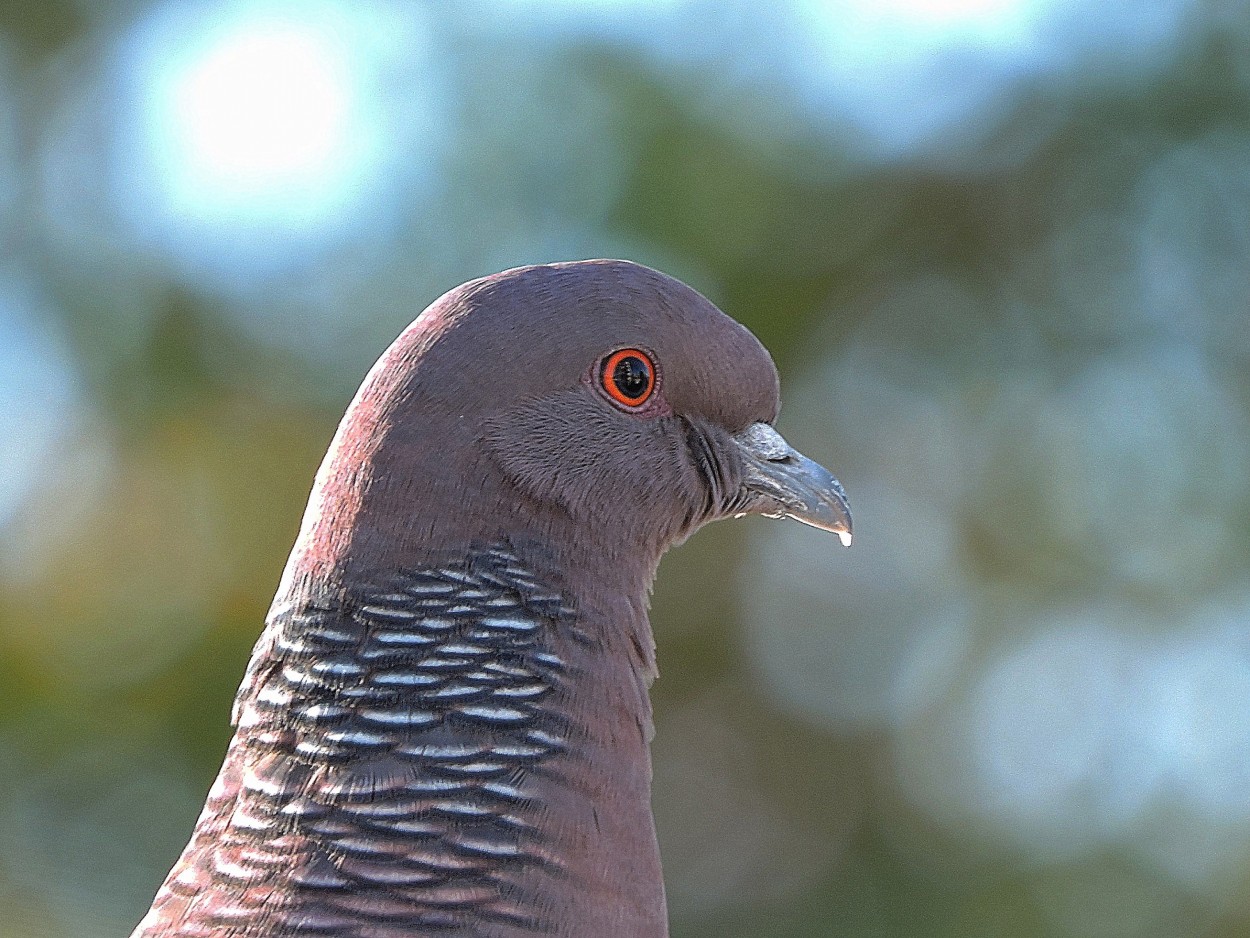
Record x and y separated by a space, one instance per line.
264 132
266 108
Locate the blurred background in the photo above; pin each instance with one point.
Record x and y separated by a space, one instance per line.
1001 252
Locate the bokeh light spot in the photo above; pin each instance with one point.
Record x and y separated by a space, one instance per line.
1059 758
39 394
259 135
262 109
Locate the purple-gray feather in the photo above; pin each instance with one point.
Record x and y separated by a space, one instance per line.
444 727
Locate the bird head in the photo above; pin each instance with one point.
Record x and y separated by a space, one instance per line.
601 395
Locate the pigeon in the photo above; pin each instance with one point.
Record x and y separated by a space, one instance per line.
444 727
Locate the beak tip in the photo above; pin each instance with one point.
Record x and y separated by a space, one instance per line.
782 482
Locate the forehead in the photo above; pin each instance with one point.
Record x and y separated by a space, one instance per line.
547 325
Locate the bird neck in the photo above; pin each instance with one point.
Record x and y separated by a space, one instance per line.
461 745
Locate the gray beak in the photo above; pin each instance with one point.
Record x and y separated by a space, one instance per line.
781 482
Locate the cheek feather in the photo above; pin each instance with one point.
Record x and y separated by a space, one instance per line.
617 471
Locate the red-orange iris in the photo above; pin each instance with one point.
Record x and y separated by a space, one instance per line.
628 377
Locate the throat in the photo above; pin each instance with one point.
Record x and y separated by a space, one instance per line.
463 746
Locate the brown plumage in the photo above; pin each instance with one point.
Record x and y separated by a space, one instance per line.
444 727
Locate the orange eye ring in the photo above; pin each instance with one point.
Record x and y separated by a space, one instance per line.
628 377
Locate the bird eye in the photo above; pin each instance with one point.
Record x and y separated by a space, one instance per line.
628 376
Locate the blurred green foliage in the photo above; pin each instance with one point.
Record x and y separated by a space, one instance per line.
139 559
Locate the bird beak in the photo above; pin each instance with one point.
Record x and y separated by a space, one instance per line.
779 481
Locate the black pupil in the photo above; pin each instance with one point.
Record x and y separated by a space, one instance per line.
632 377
